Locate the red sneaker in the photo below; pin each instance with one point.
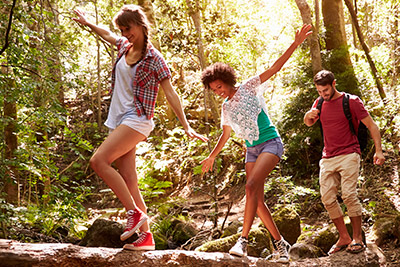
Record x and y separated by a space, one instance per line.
144 242
135 219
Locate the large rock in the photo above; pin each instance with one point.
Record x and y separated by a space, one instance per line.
304 251
325 238
13 253
288 222
386 229
259 242
182 232
232 228
105 233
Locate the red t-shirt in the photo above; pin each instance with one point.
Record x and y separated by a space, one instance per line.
338 139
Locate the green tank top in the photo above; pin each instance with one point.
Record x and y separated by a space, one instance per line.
266 129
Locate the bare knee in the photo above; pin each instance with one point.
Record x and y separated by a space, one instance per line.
96 162
252 188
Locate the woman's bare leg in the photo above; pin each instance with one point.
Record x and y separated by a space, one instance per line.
256 173
126 166
121 141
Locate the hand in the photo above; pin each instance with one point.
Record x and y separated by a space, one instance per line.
81 17
313 114
379 158
207 164
192 134
302 34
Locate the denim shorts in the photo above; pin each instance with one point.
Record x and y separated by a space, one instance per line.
273 146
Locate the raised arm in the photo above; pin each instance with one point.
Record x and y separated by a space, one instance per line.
209 161
176 105
103 33
301 35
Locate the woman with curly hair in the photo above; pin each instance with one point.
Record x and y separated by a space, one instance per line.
244 110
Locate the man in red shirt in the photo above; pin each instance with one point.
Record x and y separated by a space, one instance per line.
340 161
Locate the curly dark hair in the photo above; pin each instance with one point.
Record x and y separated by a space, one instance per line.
218 71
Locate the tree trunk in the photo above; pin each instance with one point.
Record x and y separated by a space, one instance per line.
317 15
395 54
366 49
11 179
99 120
313 39
336 43
194 12
353 28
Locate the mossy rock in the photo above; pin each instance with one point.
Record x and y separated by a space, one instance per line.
288 222
182 232
386 228
259 240
303 251
325 238
232 228
105 233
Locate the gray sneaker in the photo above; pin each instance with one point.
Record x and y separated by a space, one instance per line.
240 248
282 247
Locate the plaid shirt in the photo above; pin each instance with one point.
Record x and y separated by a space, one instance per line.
151 70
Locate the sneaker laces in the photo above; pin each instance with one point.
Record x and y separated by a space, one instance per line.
142 237
130 221
281 247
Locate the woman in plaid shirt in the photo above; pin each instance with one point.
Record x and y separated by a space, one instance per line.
136 76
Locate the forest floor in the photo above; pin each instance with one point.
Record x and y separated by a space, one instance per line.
379 190
379 185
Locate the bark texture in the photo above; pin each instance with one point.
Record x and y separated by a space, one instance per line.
13 253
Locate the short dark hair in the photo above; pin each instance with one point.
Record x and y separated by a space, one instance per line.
218 71
324 77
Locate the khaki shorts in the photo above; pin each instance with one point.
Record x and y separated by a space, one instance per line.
343 171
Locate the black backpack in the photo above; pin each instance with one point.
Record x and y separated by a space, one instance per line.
362 133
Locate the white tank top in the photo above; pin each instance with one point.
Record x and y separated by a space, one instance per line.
121 105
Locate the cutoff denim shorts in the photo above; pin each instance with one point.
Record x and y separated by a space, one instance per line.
273 146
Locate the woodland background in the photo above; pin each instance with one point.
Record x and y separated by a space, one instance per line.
55 77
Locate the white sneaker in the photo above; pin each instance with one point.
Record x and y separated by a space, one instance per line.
282 247
240 248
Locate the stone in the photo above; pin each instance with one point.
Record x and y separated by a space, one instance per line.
13 253
288 222
232 228
386 229
259 240
303 251
326 237
182 232
105 233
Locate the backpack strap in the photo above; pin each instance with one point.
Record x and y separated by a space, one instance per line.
347 113
319 107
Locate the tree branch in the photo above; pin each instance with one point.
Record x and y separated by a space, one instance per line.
366 49
8 27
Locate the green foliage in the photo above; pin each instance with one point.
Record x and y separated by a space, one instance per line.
63 211
303 145
50 72
288 192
